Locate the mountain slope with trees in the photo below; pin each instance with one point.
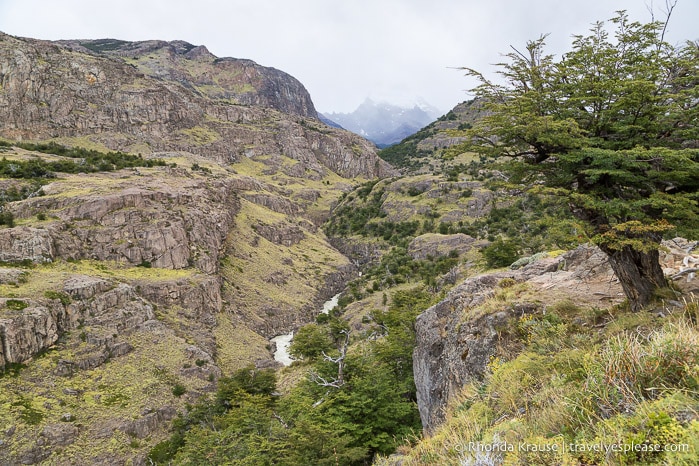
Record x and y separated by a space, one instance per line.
139 292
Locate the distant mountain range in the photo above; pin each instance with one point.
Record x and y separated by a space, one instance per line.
383 123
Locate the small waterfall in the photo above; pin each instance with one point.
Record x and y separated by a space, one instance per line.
282 353
283 341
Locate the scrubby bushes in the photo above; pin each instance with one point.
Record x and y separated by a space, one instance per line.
323 420
86 161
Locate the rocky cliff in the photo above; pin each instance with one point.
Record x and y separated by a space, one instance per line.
124 295
459 337
154 96
227 79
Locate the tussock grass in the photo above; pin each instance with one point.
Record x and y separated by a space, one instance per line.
633 381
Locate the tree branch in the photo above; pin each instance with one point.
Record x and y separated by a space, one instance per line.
685 272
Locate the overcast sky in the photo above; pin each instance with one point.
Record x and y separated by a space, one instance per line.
345 51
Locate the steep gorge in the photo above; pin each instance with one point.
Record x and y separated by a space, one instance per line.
124 295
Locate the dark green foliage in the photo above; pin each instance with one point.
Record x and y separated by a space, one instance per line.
248 380
406 154
104 45
538 222
397 266
15 304
393 232
609 127
163 452
248 385
399 323
16 193
28 413
12 369
178 390
34 168
64 298
26 189
372 412
352 217
7 218
501 253
88 161
197 167
310 342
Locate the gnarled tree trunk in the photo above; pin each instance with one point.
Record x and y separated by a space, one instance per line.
638 272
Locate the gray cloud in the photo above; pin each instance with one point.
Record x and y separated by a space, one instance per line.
343 51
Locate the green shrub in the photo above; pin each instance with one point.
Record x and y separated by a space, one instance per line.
178 390
87 161
501 253
28 413
7 218
15 304
309 342
248 379
64 298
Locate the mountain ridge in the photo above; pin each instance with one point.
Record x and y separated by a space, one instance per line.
234 79
49 90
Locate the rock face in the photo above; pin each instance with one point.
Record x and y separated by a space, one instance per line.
239 81
24 334
39 324
435 245
161 96
455 339
463 115
168 223
34 244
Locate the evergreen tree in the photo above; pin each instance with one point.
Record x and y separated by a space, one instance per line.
612 125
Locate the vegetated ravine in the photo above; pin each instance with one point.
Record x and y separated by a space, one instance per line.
168 218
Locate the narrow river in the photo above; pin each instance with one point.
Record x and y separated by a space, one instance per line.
283 341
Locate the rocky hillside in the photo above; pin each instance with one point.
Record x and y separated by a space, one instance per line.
234 80
435 147
526 358
131 281
143 101
455 349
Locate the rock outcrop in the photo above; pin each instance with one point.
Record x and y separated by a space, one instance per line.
158 96
26 243
172 222
435 245
456 339
235 80
31 327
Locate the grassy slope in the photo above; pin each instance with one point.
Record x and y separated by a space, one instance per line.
123 388
585 376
